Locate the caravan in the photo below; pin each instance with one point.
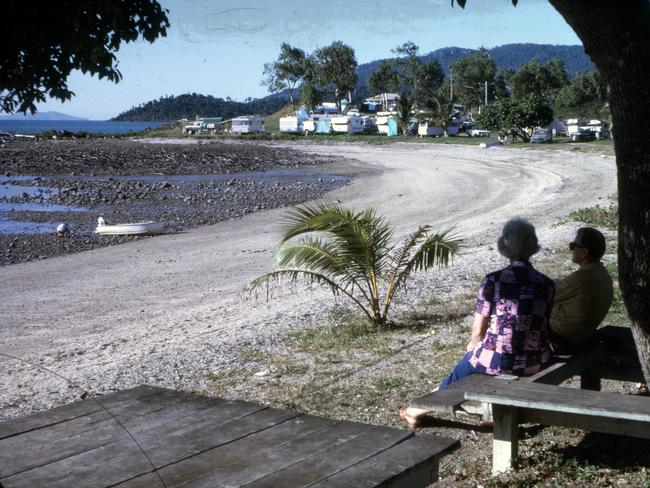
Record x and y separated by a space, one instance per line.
248 124
294 124
350 124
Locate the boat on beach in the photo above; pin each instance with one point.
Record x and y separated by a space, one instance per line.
136 228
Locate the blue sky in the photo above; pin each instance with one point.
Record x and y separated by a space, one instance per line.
219 47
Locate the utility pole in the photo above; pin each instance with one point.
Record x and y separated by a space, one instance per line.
486 91
451 84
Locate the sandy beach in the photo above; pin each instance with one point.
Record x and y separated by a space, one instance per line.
168 311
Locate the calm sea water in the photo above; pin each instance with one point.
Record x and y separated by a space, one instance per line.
91 126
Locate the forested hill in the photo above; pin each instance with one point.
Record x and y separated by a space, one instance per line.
189 105
172 108
506 56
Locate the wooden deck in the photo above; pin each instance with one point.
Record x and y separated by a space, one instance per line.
197 441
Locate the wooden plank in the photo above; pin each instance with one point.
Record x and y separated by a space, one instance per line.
411 463
45 445
58 441
449 399
342 452
260 454
72 411
559 399
104 466
505 438
632 428
149 480
193 434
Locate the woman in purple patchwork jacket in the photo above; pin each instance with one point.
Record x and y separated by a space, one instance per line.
513 306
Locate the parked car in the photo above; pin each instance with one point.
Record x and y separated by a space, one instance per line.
583 135
541 136
478 133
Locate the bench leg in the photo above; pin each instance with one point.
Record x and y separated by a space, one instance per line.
505 438
590 381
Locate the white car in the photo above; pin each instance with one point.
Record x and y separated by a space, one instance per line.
479 133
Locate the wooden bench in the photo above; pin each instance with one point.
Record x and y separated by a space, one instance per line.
611 354
516 402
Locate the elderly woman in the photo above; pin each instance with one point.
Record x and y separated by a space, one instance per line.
510 330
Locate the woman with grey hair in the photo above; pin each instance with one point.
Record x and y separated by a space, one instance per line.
513 306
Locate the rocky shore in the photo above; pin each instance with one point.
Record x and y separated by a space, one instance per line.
184 185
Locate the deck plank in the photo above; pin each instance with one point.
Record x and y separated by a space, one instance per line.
402 465
104 466
261 454
337 456
73 410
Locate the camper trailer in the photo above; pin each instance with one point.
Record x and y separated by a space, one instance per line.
291 125
294 124
248 124
349 124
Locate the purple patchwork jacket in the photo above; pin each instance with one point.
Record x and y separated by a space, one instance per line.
518 301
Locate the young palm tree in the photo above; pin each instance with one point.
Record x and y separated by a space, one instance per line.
352 254
441 108
404 108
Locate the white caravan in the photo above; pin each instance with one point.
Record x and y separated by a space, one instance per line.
349 124
248 124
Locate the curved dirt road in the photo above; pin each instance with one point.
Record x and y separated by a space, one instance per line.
168 311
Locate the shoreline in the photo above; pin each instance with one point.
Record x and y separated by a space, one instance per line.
185 185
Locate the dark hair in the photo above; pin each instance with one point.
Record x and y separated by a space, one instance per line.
518 240
592 240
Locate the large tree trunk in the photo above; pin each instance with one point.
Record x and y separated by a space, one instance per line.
615 35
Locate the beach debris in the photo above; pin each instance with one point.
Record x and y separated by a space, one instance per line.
62 230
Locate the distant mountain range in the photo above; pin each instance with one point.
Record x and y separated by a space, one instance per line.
41 116
506 56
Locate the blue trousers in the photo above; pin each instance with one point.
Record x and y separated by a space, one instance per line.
462 370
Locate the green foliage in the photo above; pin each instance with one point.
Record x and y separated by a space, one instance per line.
40 45
191 104
285 73
534 78
585 96
334 69
470 73
418 78
384 80
310 96
404 109
351 253
516 118
597 216
441 108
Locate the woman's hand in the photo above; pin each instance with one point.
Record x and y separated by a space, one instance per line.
479 328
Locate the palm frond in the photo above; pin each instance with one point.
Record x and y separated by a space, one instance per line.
293 274
318 217
437 249
319 256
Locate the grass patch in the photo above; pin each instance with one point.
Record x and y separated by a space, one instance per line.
344 330
597 216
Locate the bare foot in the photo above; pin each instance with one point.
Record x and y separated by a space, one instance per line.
411 415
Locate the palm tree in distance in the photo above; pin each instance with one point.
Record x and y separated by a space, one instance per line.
352 254
404 108
441 109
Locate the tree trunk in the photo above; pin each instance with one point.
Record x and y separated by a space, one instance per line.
614 34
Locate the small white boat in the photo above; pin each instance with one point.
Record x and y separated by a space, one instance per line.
137 228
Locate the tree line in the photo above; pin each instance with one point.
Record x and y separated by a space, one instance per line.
508 100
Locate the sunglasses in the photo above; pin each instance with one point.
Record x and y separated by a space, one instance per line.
573 245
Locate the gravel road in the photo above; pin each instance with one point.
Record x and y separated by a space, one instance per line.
168 311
